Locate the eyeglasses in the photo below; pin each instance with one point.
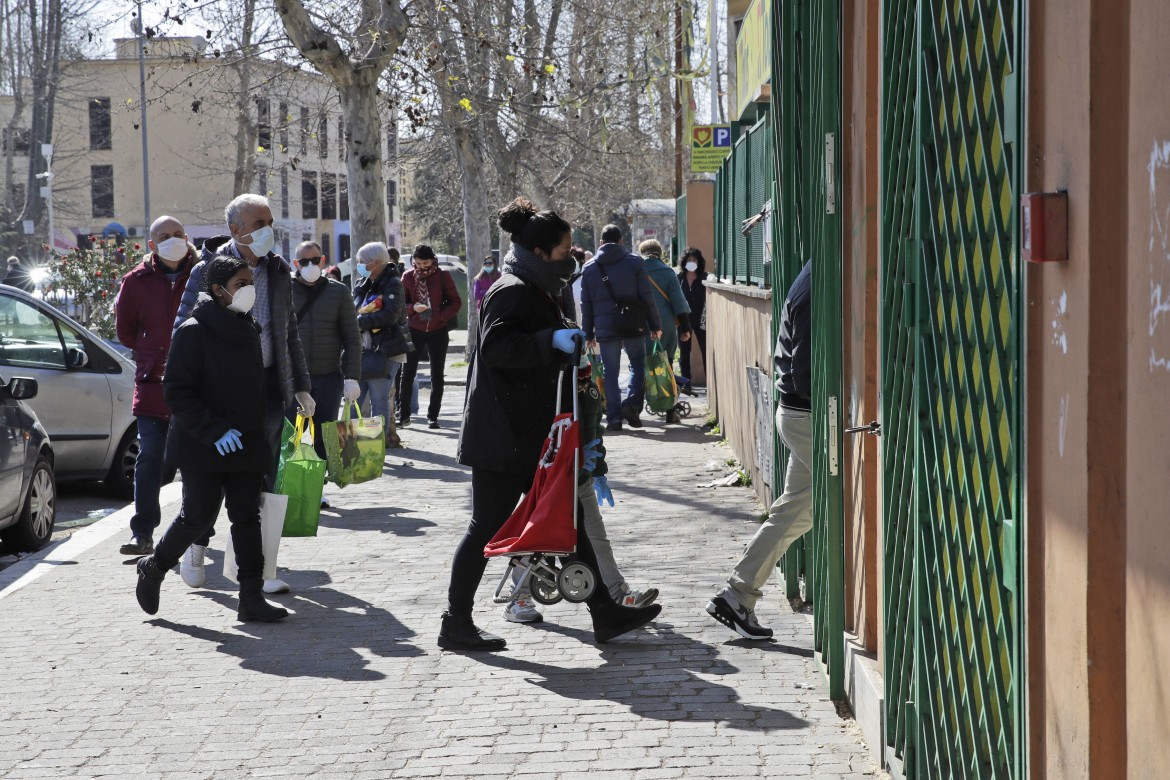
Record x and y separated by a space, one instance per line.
303 261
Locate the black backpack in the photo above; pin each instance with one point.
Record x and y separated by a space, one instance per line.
629 313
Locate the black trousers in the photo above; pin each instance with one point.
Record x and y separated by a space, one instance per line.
684 355
494 494
202 493
435 342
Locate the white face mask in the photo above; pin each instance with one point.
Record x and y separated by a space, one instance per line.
311 272
244 299
692 267
262 241
173 249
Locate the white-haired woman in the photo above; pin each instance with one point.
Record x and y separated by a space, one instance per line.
380 303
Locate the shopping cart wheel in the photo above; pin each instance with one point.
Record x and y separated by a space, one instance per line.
543 585
683 409
651 411
577 582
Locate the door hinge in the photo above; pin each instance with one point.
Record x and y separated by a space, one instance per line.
834 467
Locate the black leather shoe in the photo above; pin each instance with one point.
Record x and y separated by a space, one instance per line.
458 632
138 545
614 426
403 422
150 578
253 605
630 416
687 389
672 418
611 620
433 424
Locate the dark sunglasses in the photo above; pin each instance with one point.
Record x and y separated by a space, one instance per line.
303 261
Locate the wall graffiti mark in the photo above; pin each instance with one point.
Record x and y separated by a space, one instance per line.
1059 332
1159 251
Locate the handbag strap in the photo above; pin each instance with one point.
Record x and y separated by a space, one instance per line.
656 287
313 294
609 287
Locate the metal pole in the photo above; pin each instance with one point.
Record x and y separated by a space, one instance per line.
142 105
678 87
713 38
47 193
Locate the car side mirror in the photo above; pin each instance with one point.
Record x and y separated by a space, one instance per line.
77 358
22 388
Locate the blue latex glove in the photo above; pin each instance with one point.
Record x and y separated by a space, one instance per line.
590 454
564 339
229 442
601 489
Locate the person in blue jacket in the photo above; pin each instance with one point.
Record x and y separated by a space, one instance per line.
673 309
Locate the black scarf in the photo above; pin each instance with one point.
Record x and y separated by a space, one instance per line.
548 276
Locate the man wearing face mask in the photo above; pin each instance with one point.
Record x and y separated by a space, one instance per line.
269 299
327 322
143 313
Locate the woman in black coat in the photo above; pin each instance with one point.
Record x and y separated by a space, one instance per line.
522 347
691 277
214 386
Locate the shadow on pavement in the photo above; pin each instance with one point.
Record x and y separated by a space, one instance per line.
321 639
637 676
383 519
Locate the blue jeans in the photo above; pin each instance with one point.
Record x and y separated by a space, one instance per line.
326 391
148 472
378 391
611 358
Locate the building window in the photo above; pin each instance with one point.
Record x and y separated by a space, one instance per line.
100 131
342 197
284 120
328 196
21 138
308 195
263 123
304 130
341 139
262 180
323 137
284 193
101 190
391 198
391 144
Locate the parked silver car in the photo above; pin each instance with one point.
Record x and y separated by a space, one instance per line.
86 389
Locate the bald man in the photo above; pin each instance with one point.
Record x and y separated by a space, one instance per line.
144 311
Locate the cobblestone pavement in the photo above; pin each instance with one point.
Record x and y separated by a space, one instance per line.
353 685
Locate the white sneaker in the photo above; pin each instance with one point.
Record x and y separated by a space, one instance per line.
276 586
521 610
191 567
639 598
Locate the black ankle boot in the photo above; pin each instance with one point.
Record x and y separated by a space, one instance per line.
458 632
150 578
253 605
611 619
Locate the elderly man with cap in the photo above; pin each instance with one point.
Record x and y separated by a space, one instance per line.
143 313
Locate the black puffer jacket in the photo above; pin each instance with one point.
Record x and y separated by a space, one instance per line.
329 329
392 337
215 382
512 381
794 344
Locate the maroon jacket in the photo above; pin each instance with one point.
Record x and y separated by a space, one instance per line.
445 301
144 312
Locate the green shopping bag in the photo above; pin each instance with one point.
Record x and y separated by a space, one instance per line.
597 375
355 449
660 389
301 477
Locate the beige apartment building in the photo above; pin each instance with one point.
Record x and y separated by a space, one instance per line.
192 99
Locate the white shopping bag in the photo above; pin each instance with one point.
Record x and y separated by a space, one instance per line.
272 509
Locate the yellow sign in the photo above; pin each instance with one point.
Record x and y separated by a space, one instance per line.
710 146
753 54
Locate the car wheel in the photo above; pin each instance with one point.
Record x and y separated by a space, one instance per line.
120 479
35 527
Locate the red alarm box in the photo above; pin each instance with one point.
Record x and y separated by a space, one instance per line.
1044 227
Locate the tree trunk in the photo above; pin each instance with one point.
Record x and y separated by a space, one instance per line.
363 157
246 129
477 223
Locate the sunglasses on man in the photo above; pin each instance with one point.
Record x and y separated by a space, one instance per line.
304 261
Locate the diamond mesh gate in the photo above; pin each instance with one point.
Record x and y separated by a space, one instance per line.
949 387
806 72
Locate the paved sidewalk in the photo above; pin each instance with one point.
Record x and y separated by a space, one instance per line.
353 685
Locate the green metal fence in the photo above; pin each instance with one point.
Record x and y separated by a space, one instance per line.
742 186
806 70
951 312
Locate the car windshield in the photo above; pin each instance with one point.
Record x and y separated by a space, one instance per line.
28 337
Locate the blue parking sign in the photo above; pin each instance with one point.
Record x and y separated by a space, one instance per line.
722 136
